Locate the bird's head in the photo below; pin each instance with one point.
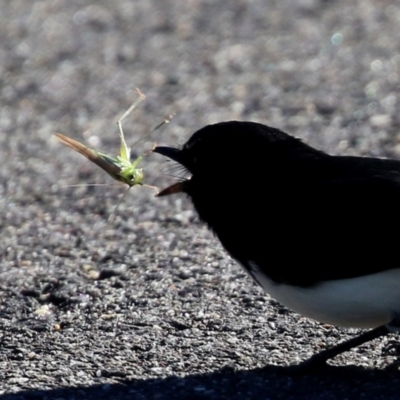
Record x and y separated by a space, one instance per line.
229 155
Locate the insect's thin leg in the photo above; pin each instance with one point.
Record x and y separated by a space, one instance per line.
155 188
167 120
128 111
112 216
139 158
125 150
146 153
137 161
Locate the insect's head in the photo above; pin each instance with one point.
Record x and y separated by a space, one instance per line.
132 176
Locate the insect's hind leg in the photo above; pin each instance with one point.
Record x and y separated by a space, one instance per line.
128 111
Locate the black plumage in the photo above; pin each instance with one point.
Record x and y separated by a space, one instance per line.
319 232
302 215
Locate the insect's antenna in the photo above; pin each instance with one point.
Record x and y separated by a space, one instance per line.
112 216
90 185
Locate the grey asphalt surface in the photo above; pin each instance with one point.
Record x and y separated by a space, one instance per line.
150 306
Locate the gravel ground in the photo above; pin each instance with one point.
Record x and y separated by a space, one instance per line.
150 306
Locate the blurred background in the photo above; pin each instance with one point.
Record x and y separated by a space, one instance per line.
325 71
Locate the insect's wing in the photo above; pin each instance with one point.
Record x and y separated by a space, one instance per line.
108 164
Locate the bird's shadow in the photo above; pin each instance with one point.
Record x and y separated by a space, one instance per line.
270 382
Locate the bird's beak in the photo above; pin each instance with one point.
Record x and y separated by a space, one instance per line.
175 155
175 188
170 152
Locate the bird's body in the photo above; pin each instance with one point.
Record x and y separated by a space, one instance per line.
317 232
362 302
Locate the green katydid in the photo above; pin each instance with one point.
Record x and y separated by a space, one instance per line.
120 168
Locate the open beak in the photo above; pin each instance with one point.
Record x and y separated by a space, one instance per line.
175 155
175 188
170 152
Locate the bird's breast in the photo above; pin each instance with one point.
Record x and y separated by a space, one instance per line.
361 302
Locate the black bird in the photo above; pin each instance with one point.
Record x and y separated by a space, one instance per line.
317 232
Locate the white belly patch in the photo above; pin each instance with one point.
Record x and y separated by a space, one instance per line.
363 302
